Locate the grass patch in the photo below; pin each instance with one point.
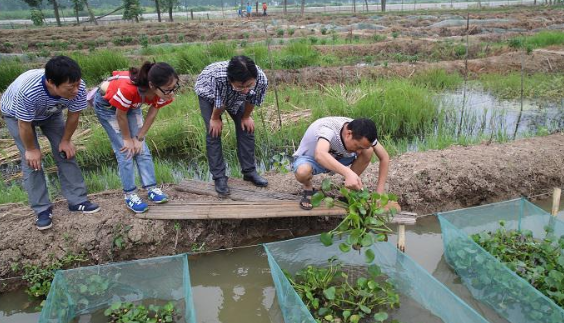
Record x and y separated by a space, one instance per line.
10 69
437 79
535 86
539 40
12 193
100 64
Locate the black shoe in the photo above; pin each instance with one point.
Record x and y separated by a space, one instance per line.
255 179
221 186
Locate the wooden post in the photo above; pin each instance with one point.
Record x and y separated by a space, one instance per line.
556 201
401 237
192 14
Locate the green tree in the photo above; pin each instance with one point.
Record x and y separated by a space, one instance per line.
90 12
56 10
132 10
36 14
169 5
77 5
158 7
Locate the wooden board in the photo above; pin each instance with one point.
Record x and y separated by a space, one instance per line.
245 202
235 210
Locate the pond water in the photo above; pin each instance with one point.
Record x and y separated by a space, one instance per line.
486 114
235 286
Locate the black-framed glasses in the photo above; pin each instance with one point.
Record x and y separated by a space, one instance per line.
167 92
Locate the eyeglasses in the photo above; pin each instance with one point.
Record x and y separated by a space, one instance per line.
173 90
242 88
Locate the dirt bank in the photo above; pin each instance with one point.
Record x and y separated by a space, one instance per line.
425 182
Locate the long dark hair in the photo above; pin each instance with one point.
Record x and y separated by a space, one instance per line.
157 73
241 69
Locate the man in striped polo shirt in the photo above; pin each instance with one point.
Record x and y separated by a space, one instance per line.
37 99
334 144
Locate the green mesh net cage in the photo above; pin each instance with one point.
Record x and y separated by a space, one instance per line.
488 279
83 294
422 297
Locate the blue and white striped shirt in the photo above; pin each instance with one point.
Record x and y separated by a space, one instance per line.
27 98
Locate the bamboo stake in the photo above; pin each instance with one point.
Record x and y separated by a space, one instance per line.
522 91
401 237
556 200
465 76
272 69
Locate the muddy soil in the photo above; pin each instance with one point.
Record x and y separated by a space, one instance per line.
512 21
425 182
539 61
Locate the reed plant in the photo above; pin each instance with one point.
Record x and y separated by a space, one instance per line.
537 86
12 193
98 65
10 69
437 79
545 39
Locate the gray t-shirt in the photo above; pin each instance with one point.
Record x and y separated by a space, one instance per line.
328 128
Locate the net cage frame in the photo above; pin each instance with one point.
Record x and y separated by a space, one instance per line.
488 279
165 278
408 277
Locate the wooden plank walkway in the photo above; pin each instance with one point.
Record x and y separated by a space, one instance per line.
245 202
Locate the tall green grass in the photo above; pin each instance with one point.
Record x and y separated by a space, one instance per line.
538 85
12 193
99 64
10 69
437 79
545 39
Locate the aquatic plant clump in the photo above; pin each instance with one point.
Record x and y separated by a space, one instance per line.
539 261
334 294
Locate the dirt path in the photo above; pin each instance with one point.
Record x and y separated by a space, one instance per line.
425 182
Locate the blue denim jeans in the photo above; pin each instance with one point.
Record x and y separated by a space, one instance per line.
107 116
70 176
316 167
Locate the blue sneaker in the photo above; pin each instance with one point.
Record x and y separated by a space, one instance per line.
157 196
85 207
43 221
135 204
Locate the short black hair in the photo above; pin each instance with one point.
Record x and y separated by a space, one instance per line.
363 128
241 69
61 69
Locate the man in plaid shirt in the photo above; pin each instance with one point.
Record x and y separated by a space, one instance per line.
235 86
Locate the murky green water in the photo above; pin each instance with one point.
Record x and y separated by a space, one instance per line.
235 286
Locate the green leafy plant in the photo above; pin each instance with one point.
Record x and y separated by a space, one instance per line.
280 32
365 220
119 235
144 41
281 163
38 278
291 31
540 262
324 31
120 312
333 294
395 34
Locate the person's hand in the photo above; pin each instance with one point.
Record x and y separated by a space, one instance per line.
128 148
68 147
33 158
137 146
215 127
352 181
248 124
